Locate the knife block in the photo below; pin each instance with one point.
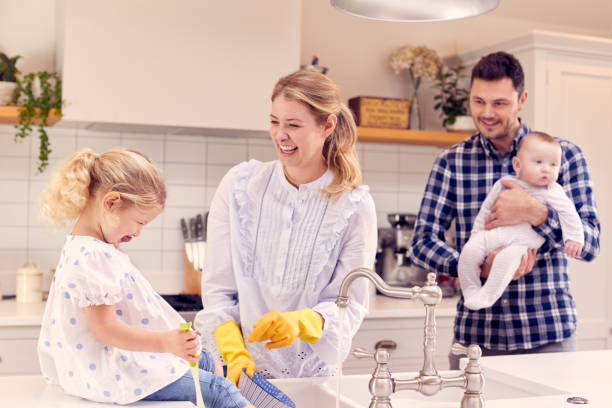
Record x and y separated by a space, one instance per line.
193 278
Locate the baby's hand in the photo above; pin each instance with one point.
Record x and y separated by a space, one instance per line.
182 344
573 249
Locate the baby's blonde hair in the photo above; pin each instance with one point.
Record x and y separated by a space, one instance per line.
320 94
536 135
84 174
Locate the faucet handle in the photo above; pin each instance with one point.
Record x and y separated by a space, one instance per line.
361 352
473 351
381 355
458 349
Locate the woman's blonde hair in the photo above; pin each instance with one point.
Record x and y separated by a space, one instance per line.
320 94
84 174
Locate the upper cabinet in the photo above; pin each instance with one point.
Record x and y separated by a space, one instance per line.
187 63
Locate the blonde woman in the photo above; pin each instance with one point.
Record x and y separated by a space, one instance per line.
106 334
283 235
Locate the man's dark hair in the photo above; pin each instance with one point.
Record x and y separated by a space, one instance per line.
499 65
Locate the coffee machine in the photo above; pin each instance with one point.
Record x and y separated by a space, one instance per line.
393 253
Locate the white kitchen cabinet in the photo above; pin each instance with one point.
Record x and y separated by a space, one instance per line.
402 321
18 353
407 333
185 63
569 83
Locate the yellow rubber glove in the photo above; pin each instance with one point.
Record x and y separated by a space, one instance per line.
283 328
233 350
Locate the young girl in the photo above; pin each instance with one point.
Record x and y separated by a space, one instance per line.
106 334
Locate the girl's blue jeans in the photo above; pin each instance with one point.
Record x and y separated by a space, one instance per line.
218 392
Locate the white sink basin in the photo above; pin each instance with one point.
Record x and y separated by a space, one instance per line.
321 392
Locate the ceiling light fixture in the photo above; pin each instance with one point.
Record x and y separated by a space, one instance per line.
415 10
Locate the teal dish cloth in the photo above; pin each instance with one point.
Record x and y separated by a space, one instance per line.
261 393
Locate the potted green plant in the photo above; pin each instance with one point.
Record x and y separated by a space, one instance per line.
452 100
40 95
8 78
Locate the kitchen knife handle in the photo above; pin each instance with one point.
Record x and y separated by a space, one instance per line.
192 228
184 230
199 227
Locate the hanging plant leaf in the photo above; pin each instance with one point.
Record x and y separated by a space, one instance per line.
37 106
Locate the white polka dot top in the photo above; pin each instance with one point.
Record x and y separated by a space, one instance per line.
91 272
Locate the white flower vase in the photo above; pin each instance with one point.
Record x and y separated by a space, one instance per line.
415 113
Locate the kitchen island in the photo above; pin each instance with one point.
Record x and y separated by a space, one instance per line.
530 381
535 380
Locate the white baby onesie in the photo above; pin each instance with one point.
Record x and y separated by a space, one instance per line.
515 238
91 272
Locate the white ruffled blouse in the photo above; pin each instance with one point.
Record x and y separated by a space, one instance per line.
91 272
272 246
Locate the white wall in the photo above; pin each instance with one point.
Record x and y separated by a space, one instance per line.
356 50
27 28
193 166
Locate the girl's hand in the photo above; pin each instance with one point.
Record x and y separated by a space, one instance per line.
182 344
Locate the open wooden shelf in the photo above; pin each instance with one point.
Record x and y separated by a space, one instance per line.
407 136
9 115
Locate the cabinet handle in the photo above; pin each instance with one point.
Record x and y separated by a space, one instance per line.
386 344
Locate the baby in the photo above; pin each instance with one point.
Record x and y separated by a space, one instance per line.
537 165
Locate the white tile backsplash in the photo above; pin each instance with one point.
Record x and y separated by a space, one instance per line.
189 196
216 172
381 160
179 173
178 150
222 153
62 144
14 168
382 181
151 145
12 215
13 191
8 147
98 143
13 237
415 162
193 167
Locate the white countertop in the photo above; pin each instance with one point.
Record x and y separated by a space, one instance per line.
386 307
581 374
21 314
31 391
544 380
30 314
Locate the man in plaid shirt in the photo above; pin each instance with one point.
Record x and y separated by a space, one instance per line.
537 312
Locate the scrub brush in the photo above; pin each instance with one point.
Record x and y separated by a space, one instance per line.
195 371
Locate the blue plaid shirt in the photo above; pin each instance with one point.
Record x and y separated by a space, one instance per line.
536 309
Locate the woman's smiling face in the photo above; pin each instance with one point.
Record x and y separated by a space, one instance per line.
298 138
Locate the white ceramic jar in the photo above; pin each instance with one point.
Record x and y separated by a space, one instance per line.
29 284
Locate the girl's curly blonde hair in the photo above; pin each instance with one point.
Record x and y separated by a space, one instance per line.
84 174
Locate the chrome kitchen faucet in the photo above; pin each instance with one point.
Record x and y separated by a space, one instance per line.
428 382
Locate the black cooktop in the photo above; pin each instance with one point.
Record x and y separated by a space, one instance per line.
184 303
